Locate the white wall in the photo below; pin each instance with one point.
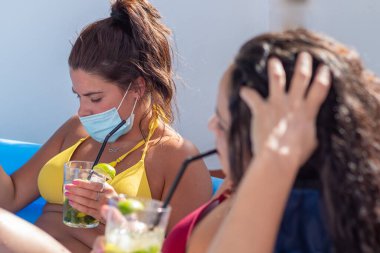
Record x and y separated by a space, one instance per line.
207 36
36 95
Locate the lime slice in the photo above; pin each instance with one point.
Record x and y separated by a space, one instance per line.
105 169
129 206
81 215
110 248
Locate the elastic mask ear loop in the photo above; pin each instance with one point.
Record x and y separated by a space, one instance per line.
133 109
125 94
134 106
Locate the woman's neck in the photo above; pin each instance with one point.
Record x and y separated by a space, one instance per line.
140 127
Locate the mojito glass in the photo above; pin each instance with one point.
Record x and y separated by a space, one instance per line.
135 230
78 170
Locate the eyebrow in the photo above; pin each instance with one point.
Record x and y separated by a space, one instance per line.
88 93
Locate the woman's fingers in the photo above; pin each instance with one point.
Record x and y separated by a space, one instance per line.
82 192
98 209
93 186
89 189
277 79
99 245
82 207
301 77
318 90
104 211
88 197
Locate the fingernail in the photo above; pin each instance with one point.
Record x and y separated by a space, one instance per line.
67 187
305 59
324 75
75 182
67 193
276 64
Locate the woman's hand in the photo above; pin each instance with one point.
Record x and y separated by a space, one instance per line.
88 197
99 245
284 123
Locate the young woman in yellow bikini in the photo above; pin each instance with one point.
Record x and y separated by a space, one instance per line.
120 69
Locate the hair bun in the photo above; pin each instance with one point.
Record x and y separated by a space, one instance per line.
120 15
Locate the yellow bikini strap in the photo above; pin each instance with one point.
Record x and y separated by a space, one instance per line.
152 128
121 158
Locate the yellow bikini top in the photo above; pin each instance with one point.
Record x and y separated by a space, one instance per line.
131 181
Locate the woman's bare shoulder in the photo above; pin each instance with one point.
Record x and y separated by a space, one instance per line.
171 147
71 131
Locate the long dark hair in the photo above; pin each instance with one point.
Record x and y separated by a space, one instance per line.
131 43
347 161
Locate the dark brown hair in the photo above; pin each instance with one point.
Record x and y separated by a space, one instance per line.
347 161
131 43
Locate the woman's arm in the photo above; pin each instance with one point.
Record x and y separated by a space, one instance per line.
19 236
20 188
251 225
283 134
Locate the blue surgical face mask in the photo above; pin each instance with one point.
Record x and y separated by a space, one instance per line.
101 124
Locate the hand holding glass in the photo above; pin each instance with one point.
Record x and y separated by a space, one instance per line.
78 170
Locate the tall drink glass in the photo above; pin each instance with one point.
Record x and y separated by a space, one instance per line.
78 170
139 231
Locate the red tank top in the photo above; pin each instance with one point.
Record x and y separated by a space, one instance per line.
177 239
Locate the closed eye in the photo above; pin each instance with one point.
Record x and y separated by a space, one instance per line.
96 100
94 96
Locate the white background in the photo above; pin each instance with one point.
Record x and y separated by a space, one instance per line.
35 38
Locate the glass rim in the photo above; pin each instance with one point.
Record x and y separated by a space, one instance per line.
78 161
150 209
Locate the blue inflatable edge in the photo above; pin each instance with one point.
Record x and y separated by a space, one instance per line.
216 182
13 154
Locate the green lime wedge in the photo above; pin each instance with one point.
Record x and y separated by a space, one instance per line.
105 169
81 215
129 206
110 248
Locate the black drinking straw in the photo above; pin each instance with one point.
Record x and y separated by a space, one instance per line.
181 171
103 146
178 177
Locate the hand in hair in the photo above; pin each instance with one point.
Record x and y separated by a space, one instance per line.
285 122
283 135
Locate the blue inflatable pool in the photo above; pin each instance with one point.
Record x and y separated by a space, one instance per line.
13 154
